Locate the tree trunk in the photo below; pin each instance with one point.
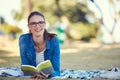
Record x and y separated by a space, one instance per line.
27 8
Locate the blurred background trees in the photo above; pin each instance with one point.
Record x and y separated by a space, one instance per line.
81 21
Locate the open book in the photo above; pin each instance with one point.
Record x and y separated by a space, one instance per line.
44 67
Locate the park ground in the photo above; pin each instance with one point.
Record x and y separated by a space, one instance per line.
76 55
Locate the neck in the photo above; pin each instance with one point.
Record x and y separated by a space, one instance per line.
38 40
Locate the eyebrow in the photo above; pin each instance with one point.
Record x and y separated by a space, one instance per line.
37 22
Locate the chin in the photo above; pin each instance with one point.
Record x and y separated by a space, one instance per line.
38 34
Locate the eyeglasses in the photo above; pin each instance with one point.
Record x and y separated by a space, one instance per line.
34 24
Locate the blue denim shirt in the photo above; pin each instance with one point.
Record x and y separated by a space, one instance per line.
28 53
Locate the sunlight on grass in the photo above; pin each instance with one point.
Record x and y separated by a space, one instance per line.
2 61
91 59
69 51
74 55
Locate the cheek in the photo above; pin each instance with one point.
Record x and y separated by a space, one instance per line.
30 29
43 28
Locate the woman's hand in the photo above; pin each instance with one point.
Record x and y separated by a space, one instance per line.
40 76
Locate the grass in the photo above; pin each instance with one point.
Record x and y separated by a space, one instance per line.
90 60
74 55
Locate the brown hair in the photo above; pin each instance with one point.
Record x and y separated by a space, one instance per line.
46 34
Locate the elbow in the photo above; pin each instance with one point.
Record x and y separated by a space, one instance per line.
56 73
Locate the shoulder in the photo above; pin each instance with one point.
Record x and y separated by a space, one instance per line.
25 40
25 36
54 39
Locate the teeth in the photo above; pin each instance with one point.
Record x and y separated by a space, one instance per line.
37 30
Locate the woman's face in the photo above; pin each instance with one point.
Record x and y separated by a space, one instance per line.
37 25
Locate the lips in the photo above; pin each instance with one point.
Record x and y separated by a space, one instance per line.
38 30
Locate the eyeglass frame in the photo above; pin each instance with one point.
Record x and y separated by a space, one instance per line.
34 24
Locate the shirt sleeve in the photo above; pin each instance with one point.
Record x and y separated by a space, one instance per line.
56 58
22 47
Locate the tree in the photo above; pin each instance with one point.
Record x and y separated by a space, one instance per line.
113 13
26 9
2 20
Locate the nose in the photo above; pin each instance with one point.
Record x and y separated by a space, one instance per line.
37 25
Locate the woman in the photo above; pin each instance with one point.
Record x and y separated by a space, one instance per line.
39 45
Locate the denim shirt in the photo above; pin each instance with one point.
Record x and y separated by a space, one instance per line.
28 53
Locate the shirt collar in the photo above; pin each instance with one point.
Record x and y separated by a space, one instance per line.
32 42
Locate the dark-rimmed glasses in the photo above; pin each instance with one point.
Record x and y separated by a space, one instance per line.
34 24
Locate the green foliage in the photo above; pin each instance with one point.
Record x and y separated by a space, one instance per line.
75 11
83 31
55 8
18 15
10 29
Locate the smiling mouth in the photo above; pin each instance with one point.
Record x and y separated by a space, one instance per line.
38 30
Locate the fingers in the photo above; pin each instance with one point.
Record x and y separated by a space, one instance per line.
39 76
46 76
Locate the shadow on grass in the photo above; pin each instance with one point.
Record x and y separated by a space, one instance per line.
88 59
8 59
4 51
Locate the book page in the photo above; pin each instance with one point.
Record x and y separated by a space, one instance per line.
29 67
44 65
47 71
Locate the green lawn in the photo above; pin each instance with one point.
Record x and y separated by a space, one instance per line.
74 55
91 59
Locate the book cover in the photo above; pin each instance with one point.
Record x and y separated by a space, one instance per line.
44 67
